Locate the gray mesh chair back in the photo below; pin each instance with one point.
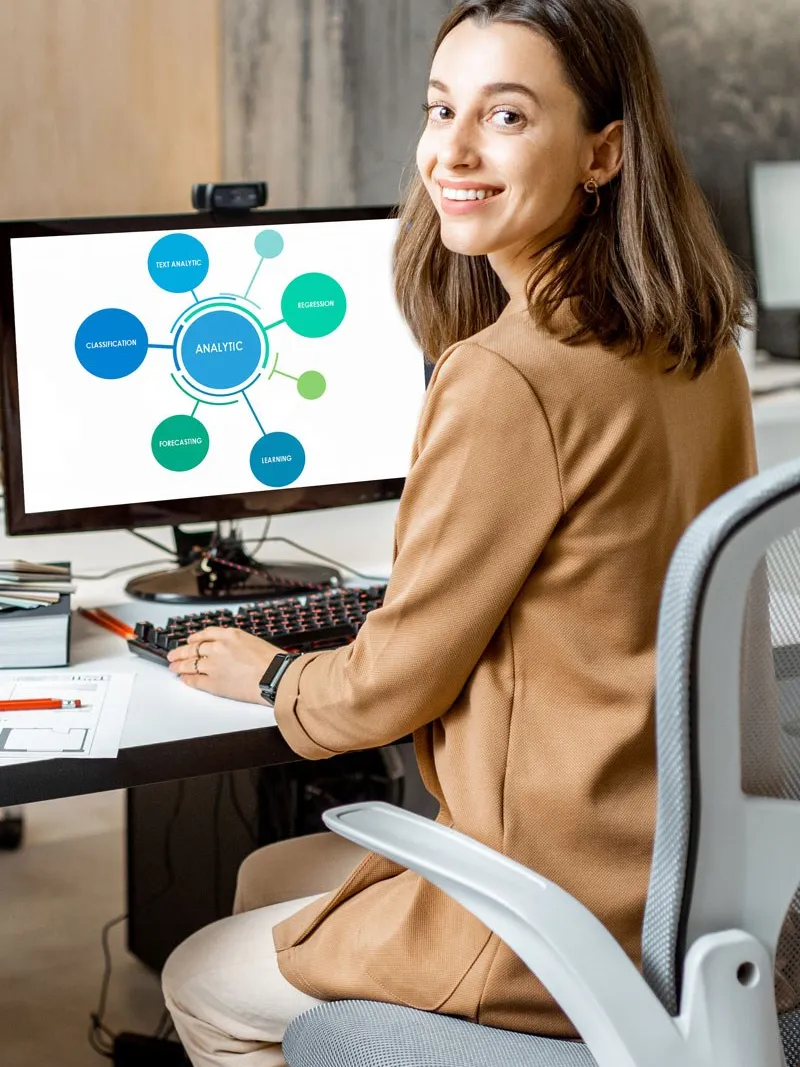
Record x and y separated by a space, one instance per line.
724 890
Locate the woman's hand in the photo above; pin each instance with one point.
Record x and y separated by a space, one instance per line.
224 661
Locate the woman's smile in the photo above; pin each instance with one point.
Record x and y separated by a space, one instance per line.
459 197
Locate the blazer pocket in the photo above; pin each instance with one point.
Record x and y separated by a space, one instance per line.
371 869
420 944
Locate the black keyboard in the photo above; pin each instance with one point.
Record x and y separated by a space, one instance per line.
304 622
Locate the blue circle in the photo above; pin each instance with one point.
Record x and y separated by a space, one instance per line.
269 244
277 459
221 349
178 263
111 343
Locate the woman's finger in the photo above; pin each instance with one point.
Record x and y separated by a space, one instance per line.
182 652
187 666
212 634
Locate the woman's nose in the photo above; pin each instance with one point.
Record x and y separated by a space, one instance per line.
458 147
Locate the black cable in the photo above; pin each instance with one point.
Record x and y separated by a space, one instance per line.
111 573
264 534
217 845
252 831
98 1031
97 1026
318 555
155 544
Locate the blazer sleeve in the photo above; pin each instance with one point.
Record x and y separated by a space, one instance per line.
480 502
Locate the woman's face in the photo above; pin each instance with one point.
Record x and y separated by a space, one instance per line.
504 153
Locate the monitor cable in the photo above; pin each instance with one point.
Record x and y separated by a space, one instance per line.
101 1037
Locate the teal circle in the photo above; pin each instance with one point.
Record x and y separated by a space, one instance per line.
180 443
313 305
277 459
269 244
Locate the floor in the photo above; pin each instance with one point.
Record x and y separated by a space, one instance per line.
56 893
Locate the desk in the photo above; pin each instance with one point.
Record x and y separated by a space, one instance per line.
172 731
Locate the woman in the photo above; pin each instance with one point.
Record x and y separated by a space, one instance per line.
558 263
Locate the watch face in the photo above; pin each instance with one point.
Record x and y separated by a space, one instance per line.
272 670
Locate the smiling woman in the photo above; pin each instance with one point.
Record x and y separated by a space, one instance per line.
557 263
564 130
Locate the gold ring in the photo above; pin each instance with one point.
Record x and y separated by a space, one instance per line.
196 661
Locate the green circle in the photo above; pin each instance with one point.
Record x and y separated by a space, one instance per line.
269 244
313 305
311 385
180 443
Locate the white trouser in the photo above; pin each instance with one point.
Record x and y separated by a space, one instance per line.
228 999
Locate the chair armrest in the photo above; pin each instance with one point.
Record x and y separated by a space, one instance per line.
564 945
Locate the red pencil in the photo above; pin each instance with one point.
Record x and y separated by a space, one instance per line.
43 704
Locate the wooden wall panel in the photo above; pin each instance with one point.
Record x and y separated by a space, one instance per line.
322 97
107 106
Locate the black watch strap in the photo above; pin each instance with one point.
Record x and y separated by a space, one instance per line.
273 674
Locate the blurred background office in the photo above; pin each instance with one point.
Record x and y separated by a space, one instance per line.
117 107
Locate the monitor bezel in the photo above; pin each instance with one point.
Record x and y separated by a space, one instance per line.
235 506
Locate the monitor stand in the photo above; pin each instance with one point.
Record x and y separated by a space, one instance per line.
213 569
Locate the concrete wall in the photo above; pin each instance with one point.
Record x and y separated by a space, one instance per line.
322 97
731 69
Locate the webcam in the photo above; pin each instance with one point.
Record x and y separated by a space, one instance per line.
229 196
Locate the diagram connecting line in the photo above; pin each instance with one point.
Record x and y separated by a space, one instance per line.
220 350
252 280
258 421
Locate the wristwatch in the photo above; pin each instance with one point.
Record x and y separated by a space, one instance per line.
273 674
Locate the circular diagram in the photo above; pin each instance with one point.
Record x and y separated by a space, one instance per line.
220 350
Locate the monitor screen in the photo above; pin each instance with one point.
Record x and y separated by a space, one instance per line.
775 215
185 368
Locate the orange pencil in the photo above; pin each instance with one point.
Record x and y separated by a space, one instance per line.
108 622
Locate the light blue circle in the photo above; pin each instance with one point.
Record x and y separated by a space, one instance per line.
221 349
277 459
178 263
111 343
269 244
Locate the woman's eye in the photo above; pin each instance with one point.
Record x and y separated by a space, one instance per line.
505 118
437 112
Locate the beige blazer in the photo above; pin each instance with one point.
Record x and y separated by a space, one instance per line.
548 489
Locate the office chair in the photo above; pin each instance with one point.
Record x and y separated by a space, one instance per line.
721 942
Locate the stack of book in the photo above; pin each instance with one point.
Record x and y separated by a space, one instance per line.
34 614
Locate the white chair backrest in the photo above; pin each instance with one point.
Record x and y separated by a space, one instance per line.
728 722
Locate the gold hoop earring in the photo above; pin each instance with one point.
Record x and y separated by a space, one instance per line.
591 188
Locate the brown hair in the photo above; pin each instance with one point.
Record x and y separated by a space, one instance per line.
649 265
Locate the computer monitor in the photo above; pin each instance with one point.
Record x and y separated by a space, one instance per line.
774 192
165 370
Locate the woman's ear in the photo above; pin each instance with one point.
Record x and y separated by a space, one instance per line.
608 152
